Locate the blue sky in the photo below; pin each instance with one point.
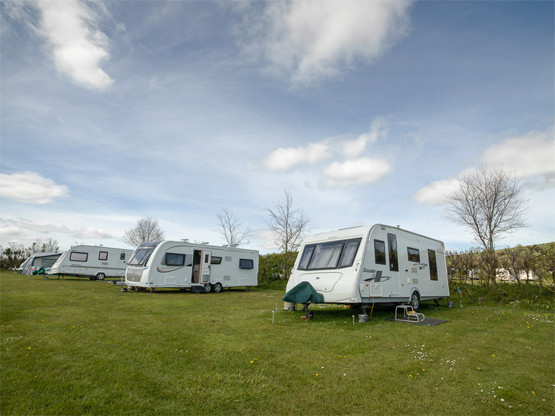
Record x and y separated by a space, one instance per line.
364 111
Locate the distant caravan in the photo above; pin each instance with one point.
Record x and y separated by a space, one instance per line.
198 267
39 261
94 262
372 264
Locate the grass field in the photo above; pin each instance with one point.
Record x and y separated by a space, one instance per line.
74 346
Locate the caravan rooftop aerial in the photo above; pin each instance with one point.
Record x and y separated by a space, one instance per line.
372 264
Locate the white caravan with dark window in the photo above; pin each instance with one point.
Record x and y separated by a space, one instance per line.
372 264
94 262
199 267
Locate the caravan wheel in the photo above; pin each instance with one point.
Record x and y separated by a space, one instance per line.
217 288
415 301
207 288
100 276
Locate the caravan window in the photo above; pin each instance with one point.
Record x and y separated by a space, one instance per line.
77 256
173 259
216 260
414 254
433 264
246 264
305 258
393 256
102 255
140 256
379 251
349 253
122 256
329 255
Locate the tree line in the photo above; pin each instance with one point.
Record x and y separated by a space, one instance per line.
12 256
521 263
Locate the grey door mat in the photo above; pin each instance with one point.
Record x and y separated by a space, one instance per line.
426 322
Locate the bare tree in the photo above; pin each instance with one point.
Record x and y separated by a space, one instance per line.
146 229
491 203
288 224
231 228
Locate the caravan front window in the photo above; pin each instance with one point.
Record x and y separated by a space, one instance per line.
329 255
140 256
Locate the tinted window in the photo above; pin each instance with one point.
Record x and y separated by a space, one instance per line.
174 259
140 256
326 255
349 252
77 256
216 260
103 255
307 255
433 264
393 256
414 254
379 251
246 264
122 256
329 255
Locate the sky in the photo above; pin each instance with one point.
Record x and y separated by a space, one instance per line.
364 111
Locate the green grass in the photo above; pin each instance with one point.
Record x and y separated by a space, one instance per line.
83 347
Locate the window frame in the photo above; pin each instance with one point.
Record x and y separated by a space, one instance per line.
382 254
434 275
174 263
393 252
311 251
246 264
71 257
413 254
101 257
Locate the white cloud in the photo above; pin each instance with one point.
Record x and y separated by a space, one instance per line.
78 44
310 41
355 172
30 188
26 230
285 159
436 192
529 155
353 148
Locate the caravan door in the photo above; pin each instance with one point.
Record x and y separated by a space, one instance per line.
201 267
205 267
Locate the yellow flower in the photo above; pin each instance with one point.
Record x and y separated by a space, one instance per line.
252 362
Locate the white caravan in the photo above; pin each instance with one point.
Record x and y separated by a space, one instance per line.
199 267
372 264
37 261
94 262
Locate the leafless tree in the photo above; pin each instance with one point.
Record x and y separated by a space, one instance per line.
491 203
146 229
231 228
287 223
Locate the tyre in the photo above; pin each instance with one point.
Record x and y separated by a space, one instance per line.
207 288
415 301
217 288
100 276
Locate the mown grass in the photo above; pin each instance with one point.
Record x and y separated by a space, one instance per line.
83 347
